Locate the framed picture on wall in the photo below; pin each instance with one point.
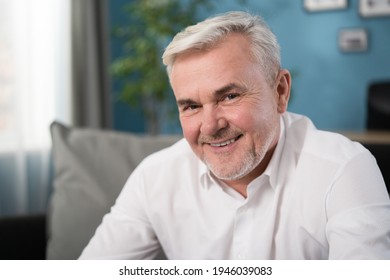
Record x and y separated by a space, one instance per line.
324 5
374 8
353 40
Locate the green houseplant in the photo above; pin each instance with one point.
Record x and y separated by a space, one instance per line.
153 23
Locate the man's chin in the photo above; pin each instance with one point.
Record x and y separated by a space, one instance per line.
225 174
232 169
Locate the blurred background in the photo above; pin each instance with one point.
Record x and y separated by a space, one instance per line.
96 63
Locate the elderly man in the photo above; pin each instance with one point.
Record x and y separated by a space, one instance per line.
250 180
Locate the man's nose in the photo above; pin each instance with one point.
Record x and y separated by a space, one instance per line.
213 120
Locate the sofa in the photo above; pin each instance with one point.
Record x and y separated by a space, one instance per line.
90 168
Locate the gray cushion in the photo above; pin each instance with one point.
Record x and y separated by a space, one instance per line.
91 167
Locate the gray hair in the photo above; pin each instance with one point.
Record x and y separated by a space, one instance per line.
208 33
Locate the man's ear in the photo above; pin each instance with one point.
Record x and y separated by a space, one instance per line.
282 90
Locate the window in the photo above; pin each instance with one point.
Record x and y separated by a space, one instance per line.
34 90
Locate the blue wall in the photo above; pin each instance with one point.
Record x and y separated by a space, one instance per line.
329 86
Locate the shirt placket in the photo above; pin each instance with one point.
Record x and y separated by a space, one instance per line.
240 238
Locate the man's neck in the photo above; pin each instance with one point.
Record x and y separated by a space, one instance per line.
241 185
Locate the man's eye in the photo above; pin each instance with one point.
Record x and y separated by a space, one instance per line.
190 107
231 96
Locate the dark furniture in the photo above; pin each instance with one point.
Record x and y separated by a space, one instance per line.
378 106
377 137
382 154
23 238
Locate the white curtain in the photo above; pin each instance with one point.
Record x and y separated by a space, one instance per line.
35 89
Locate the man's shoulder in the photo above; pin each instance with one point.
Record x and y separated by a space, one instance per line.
318 143
177 154
167 172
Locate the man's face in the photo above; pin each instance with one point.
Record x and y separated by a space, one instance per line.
228 111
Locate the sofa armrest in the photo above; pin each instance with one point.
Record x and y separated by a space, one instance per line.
23 238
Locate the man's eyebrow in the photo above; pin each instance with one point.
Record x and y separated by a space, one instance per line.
225 89
184 102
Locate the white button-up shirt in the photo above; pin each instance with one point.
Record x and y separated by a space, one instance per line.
321 197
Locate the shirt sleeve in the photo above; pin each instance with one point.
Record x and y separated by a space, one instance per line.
125 232
358 209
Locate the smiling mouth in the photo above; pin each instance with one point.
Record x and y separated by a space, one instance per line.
225 143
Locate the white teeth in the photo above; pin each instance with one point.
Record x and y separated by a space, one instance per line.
223 143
